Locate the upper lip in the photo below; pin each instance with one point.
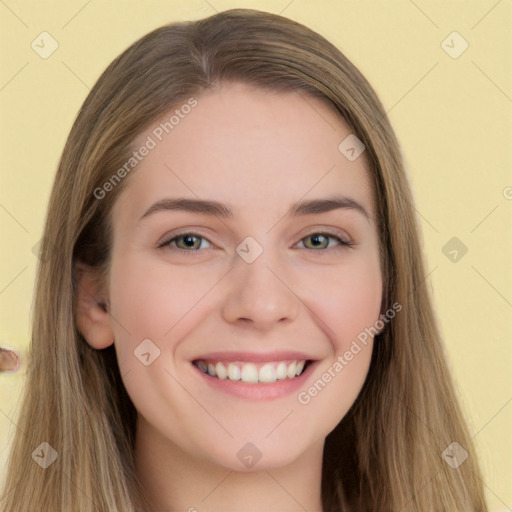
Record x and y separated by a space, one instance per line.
254 357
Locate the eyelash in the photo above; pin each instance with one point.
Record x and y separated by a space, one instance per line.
342 242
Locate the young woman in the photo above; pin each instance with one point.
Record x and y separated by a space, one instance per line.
234 314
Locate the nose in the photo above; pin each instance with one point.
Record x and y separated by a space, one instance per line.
259 294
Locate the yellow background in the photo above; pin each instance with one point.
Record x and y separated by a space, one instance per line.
452 117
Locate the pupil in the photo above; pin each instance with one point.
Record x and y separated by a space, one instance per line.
316 239
189 240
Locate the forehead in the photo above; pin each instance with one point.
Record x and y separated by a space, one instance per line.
249 147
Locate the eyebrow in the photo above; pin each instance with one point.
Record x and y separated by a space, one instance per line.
210 207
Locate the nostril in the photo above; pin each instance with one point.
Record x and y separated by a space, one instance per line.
9 360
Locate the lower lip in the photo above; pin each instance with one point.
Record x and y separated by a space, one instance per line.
260 390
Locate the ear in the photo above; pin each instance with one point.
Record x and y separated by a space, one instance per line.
92 316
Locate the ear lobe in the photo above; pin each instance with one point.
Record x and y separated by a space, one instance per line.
92 317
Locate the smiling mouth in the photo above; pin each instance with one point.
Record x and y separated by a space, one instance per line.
253 373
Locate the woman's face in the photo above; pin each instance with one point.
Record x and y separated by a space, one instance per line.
249 266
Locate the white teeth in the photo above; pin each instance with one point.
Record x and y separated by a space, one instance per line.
248 372
291 370
234 372
221 371
281 371
267 373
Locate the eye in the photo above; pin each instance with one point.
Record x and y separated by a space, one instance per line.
192 243
321 241
187 242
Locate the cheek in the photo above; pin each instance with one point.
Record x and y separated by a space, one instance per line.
150 301
347 307
346 300
358 304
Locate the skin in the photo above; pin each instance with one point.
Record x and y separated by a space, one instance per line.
9 360
259 152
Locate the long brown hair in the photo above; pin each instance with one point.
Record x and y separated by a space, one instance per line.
386 453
